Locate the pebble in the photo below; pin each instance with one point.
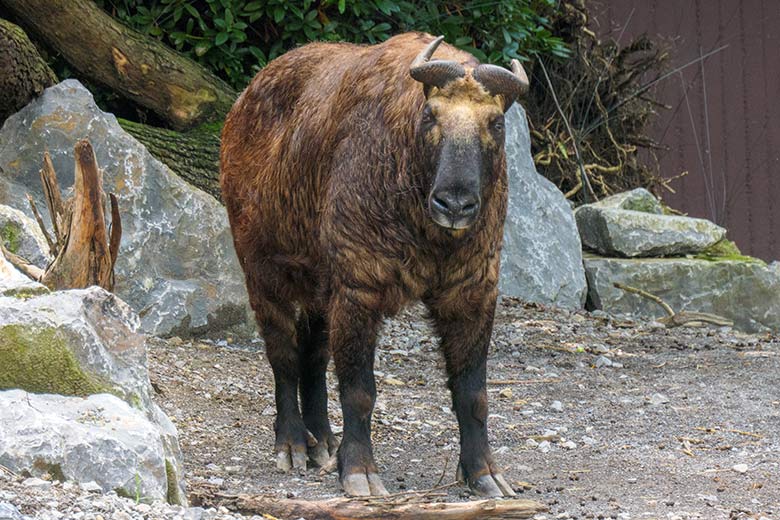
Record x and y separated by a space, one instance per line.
556 406
590 441
36 483
602 361
740 468
91 487
544 446
569 445
658 399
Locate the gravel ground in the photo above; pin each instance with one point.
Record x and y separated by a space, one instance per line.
595 416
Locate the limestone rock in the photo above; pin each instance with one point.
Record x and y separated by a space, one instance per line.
21 235
632 224
638 199
542 256
746 292
79 343
99 438
14 283
176 267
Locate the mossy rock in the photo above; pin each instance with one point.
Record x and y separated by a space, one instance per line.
38 360
11 234
725 251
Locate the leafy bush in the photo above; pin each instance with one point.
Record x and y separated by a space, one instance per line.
235 38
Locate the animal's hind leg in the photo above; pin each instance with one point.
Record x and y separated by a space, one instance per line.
314 357
277 322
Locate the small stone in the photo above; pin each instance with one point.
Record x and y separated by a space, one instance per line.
91 487
740 468
569 445
531 443
658 399
506 393
556 406
36 483
590 441
602 361
544 446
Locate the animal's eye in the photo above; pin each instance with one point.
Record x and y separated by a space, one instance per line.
427 116
497 124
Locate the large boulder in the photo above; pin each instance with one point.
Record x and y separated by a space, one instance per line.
747 292
632 224
79 343
99 439
542 257
176 267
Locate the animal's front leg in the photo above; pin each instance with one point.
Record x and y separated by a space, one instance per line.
465 340
352 337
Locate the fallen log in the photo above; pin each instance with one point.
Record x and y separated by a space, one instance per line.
143 69
377 507
24 73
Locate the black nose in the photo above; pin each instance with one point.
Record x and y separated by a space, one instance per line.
455 205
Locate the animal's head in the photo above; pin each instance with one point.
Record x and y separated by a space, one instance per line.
461 128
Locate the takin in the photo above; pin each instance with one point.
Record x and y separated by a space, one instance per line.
358 179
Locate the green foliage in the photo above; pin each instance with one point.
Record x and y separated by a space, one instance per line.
235 38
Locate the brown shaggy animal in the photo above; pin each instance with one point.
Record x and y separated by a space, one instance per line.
358 179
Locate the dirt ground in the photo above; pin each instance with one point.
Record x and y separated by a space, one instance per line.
595 416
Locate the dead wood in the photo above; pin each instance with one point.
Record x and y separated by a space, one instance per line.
376 507
84 251
677 319
141 68
83 256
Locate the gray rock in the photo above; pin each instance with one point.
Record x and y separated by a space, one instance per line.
81 342
746 292
21 235
619 232
99 438
176 267
638 199
542 256
9 512
14 283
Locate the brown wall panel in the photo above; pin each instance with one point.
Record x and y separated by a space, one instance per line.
722 127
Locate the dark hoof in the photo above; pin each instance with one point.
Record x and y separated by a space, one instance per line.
491 484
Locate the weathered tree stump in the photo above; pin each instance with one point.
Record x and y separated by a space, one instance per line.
84 253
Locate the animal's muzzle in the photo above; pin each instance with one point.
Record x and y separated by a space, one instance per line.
455 209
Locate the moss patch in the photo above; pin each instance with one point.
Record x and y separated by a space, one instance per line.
39 361
173 483
725 250
11 234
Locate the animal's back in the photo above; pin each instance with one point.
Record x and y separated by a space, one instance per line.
279 140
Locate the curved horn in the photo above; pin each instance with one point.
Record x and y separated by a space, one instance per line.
498 80
435 73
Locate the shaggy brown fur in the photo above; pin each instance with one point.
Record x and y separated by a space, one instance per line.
325 177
